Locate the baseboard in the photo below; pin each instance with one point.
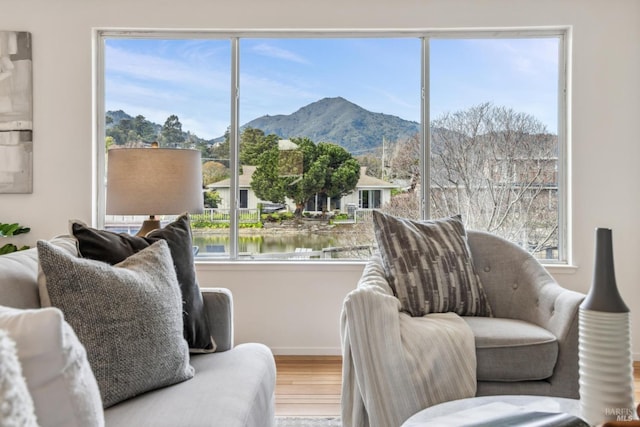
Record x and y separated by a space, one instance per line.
306 351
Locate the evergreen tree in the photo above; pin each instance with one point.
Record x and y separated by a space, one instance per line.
253 143
327 169
171 134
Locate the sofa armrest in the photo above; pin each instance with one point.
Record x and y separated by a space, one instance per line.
218 304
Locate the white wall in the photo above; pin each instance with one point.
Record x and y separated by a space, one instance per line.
295 309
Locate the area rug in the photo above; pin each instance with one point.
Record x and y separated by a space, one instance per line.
308 422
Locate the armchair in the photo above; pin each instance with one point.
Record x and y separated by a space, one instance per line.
529 346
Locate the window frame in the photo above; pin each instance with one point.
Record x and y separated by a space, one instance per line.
563 33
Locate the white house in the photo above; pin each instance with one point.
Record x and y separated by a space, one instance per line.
370 193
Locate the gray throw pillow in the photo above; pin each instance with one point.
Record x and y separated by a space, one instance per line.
107 246
128 317
429 267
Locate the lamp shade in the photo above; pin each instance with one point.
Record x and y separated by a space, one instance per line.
154 181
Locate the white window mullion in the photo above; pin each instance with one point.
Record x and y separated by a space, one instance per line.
99 154
234 150
564 138
425 134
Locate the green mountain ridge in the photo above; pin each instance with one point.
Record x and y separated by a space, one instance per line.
334 120
339 121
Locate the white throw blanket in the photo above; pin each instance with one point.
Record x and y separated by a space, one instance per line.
395 365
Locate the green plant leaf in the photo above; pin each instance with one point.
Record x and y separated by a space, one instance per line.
14 229
8 248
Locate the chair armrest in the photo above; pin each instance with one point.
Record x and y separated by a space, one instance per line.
218 304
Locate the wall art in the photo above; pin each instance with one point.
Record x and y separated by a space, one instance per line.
16 112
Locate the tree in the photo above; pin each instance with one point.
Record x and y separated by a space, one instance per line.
144 129
497 168
253 143
219 152
171 134
373 163
213 172
405 161
109 142
211 199
327 169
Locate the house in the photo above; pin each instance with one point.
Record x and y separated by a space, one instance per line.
248 198
370 193
298 305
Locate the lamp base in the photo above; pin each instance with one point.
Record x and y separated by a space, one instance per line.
148 226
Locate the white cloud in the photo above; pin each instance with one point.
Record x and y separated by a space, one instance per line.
279 53
528 56
152 68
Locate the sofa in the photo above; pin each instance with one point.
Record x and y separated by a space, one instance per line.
528 346
231 387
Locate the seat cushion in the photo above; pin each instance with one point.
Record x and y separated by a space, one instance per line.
232 389
512 350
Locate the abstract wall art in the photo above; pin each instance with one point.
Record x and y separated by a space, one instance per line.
16 113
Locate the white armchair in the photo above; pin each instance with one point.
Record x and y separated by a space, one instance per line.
529 346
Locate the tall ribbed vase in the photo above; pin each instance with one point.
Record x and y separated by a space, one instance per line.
606 365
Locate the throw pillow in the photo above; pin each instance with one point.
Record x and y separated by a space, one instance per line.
113 248
128 316
67 243
55 366
429 266
16 405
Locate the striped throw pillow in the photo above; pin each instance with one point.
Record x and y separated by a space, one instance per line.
428 265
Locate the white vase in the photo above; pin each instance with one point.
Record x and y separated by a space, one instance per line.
605 361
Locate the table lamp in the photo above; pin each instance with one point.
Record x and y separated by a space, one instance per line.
153 181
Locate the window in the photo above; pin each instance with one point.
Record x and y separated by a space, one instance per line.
370 199
308 133
244 199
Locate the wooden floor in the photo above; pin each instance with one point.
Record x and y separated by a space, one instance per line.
310 385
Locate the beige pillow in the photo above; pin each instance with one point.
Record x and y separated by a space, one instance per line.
54 364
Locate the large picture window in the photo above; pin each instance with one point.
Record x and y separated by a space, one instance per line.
303 135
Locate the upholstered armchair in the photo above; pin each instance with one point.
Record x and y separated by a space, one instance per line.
528 346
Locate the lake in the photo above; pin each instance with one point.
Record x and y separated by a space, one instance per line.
283 246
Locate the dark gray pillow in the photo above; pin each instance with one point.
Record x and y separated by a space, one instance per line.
429 267
103 245
128 317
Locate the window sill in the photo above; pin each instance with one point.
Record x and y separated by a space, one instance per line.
347 265
237 266
554 269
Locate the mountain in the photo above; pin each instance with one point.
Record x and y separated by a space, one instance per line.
327 120
116 116
339 121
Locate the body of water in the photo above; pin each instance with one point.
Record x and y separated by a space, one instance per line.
280 244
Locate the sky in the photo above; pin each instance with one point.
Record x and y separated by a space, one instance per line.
191 78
